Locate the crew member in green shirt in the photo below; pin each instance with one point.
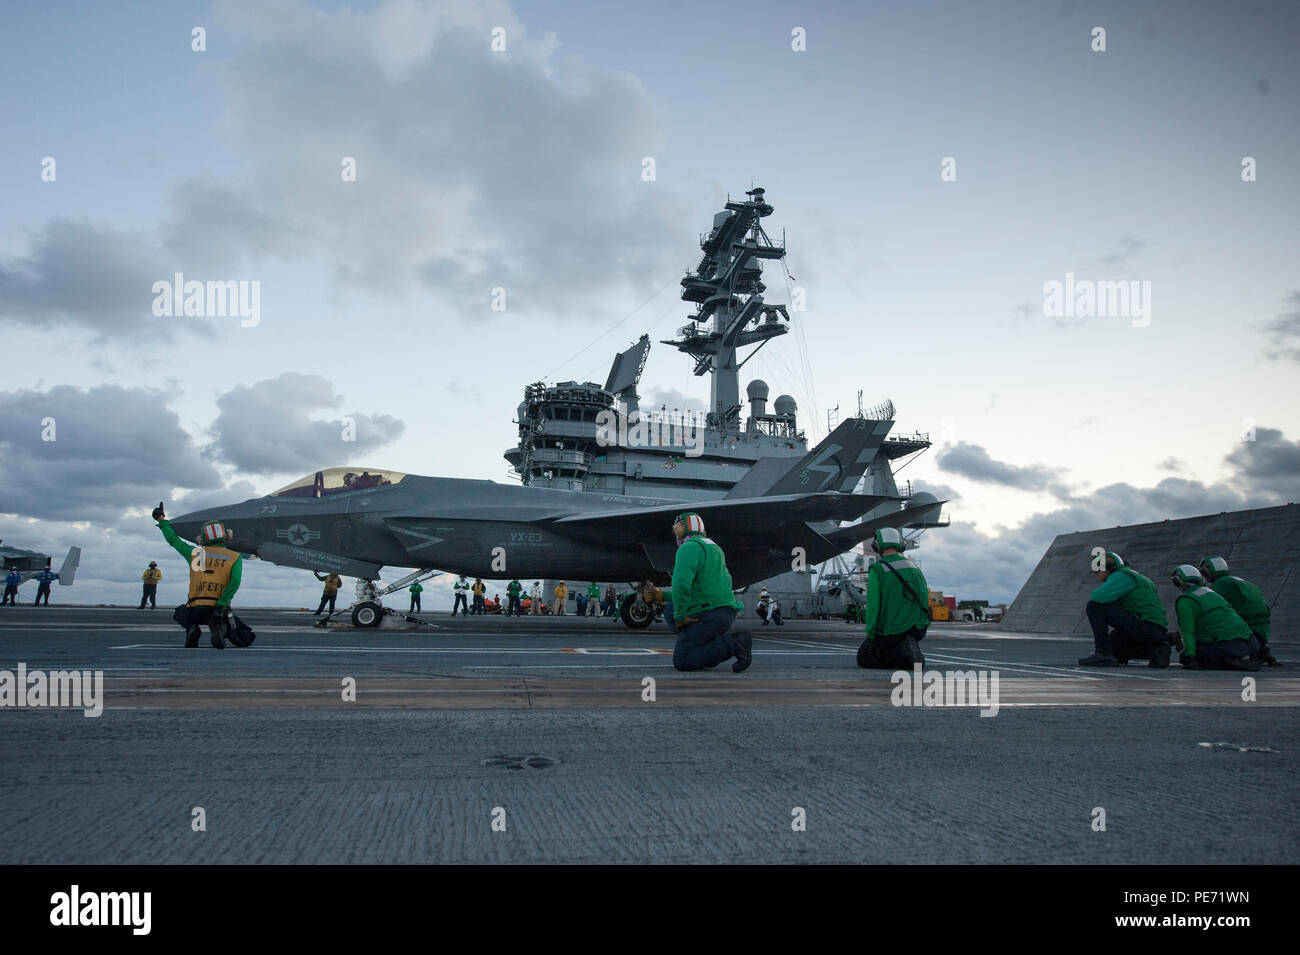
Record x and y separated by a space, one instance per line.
1245 598
513 590
215 574
703 604
593 598
1128 620
897 611
1214 636
416 589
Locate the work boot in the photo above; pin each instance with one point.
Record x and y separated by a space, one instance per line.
1160 656
910 651
219 631
1241 663
192 634
743 643
1099 660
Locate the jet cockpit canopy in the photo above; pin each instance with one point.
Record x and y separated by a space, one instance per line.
339 481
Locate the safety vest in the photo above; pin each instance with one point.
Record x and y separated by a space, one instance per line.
207 585
151 576
479 589
1215 618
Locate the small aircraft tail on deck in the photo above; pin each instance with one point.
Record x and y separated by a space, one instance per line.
68 572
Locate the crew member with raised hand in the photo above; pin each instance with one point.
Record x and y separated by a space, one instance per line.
703 604
1245 598
1214 636
150 579
897 612
215 575
1127 618
331 592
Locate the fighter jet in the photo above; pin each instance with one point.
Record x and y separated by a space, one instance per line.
355 521
29 563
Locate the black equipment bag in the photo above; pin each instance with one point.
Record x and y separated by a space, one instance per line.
241 634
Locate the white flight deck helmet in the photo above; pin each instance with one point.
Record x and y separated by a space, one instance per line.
886 538
1185 575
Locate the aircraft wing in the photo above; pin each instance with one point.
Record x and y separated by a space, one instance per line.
747 516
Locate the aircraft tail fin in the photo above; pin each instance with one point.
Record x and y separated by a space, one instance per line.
836 464
68 572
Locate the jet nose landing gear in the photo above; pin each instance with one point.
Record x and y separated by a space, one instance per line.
368 613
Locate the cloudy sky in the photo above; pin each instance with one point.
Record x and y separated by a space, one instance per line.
127 156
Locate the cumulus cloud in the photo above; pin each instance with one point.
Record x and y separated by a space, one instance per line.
972 461
1261 473
942 491
475 170
1283 332
267 427
114 448
1268 467
91 275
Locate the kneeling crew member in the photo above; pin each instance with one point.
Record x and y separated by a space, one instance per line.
898 607
1245 598
1214 636
215 573
1128 620
703 604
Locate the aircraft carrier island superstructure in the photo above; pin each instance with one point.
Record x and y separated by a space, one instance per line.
582 436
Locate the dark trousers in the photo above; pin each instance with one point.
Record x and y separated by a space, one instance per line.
890 651
194 618
1121 633
150 596
329 597
478 604
703 644
415 603
1215 656
43 591
512 608
461 604
11 594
